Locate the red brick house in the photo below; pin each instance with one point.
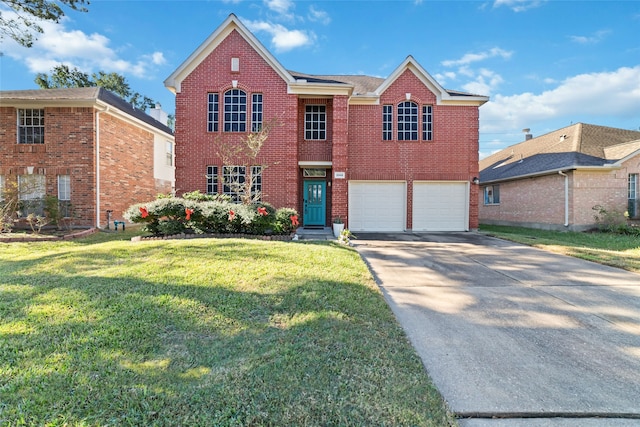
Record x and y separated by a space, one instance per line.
391 154
553 181
87 147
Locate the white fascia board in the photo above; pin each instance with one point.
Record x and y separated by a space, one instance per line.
627 157
310 163
368 99
232 22
30 103
319 89
574 168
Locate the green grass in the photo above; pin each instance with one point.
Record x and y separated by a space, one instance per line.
616 250
205 332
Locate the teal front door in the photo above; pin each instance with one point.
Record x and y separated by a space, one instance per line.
315 203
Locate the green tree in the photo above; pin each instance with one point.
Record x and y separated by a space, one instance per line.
22 27
62 76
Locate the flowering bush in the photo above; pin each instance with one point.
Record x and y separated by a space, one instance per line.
174 215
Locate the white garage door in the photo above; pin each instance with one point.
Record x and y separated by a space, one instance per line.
377 206
440 206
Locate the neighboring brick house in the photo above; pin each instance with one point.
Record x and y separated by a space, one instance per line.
554 181
391 154
87 147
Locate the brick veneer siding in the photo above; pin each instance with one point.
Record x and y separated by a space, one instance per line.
452 155
196 147
539 202
126 159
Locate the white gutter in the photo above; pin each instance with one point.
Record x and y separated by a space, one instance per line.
566 198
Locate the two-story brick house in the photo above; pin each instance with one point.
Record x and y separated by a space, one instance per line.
391 154
87 147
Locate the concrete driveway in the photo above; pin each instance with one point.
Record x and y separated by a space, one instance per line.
512 335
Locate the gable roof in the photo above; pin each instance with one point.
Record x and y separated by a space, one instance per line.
576 146
78 96
360 89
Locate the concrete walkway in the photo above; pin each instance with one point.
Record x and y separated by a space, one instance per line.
512 335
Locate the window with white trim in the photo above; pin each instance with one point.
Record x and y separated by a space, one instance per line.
387 122
492 195
407 121
213 112
31 192
235 111
1 188
212 180
634 201
427 123
30 126
256 112
234 182
315 122
64 195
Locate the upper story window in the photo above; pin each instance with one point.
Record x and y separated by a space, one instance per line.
30 126
315 122
256 112
407 121
235 111
492 195
427 123
169 153
213 112
387 122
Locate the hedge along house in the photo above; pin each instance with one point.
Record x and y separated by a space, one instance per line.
87 147
391 154
554 181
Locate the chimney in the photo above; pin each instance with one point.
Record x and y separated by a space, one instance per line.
527 135
159 115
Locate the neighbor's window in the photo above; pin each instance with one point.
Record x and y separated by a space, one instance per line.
427 123
1 188
634 201
235 111
30 126
213 112
387 122
256 112
212 180
315 122
31 192
492 195
64 195
407 121
234 182
169 153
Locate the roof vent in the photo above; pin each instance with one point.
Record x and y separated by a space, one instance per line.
527 135
563 137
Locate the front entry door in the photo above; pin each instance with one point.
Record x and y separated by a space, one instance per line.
314 203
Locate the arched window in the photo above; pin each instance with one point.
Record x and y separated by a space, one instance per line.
407 121
235 111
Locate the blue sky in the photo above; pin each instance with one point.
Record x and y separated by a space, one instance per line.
544 64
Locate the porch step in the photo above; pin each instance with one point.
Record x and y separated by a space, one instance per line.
319 233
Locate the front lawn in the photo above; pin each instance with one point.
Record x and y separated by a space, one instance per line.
617 250
205 332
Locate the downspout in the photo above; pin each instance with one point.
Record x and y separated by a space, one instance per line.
566 198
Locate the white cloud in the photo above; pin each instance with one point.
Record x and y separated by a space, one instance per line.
595 38
485 82
87 52
604 94
518 5
316 15
480 56
282 38
279 6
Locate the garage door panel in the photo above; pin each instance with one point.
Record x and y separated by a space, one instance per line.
377 206
440 206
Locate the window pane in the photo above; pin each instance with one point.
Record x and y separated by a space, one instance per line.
213 116
407 121
235 107
315 122
30 126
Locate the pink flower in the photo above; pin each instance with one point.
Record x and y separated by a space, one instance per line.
263 211
188 212
294 220
143 212
232 215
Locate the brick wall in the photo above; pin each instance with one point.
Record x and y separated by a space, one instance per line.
196 148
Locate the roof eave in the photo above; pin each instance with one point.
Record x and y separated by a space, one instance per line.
319 89
552 172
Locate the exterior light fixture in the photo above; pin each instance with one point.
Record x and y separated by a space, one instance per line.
475 180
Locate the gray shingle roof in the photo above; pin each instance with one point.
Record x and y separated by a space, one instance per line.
579 145
81 94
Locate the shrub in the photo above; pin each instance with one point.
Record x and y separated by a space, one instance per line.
166 216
